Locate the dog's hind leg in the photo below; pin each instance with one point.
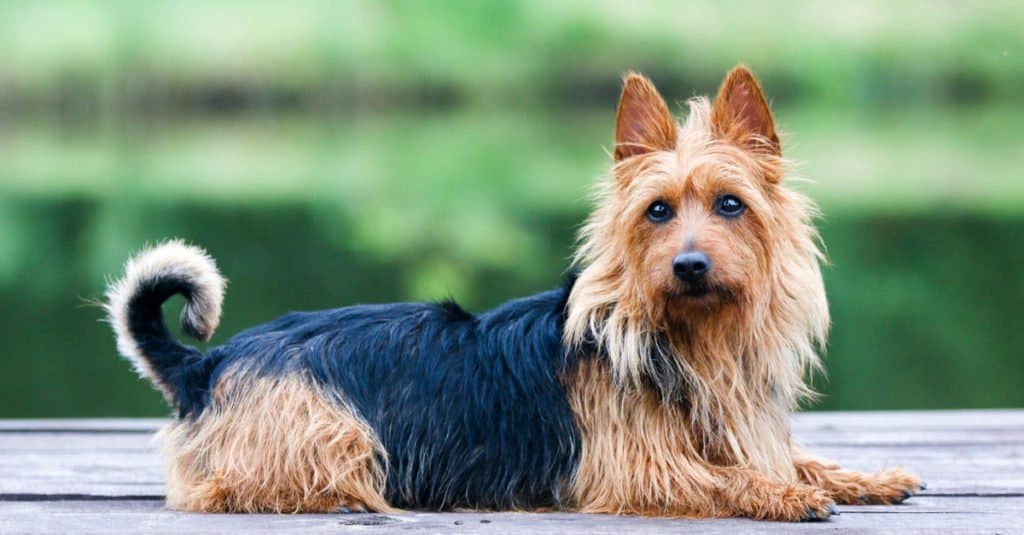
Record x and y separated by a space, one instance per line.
852 488
273 444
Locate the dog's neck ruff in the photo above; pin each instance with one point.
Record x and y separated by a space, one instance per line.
733 394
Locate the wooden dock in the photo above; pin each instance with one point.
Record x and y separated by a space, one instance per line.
105 476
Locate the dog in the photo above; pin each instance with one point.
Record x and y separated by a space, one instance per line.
657 381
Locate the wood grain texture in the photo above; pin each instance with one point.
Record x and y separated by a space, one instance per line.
103 475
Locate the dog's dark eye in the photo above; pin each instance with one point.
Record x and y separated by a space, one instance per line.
729 206
659 212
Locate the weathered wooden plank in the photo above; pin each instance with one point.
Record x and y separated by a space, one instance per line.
912 420
106 476
113 473
118 474
121 459
894 441
144 425
78 441
817 434
949 420
933 515
901 439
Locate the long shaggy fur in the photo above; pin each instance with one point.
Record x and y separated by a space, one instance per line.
638 457
636 388
741 373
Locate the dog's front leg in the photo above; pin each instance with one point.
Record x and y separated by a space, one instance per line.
748 493
850 487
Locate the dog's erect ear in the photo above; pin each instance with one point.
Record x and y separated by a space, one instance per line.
741 113
643 123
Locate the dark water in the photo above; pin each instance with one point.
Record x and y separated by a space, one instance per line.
926 307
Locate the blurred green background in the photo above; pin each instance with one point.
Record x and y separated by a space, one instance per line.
330 153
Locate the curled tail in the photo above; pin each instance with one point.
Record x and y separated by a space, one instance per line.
133 309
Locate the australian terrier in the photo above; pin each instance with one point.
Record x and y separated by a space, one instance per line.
657 381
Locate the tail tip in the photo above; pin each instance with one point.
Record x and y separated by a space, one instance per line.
200 320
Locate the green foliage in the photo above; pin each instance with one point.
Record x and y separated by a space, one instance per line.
329 153
869 51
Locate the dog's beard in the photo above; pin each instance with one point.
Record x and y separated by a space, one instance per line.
686 300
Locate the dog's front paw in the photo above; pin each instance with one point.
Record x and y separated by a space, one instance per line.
798 503
887 487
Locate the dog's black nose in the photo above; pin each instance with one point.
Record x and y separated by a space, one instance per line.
691 266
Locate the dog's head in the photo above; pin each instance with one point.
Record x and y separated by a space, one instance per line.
696 205
695 229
